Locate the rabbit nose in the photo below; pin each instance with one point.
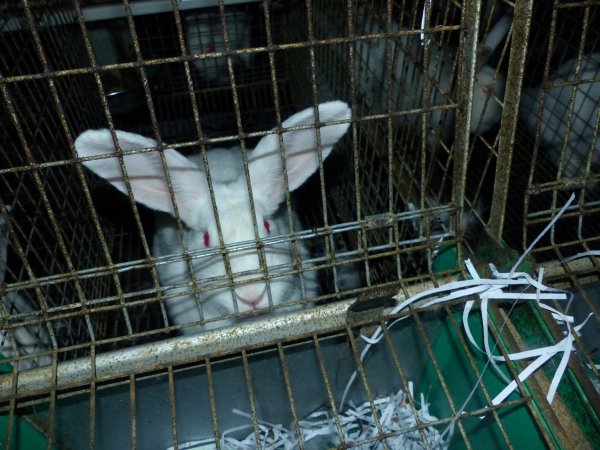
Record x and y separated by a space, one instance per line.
488 89
250 298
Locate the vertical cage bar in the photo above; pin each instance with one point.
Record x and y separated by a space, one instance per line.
363 377
51 418
92 410
425 103
327 383
132 409
213 403
510 112
465 85
173 409
361 235
290 393
393 232
478 374
11 412
199 134
277 104
404 380
250 391
440 376
86 191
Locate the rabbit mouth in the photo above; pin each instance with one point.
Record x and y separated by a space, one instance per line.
251 297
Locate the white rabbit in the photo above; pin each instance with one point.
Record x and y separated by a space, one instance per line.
191 191
495 35
408 78
485 111
556 111
204 34
26 340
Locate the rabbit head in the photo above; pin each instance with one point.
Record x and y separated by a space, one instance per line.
486 112
204 35
235 280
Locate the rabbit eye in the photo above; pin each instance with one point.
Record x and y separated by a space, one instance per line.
267 226
206 239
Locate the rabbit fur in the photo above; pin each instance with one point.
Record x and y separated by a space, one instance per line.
25 340
556 108
204 34
191 192
408 78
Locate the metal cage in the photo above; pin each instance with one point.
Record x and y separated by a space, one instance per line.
471 123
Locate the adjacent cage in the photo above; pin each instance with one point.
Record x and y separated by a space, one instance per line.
206 206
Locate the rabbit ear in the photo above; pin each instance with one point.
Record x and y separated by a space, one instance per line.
146 174
302 159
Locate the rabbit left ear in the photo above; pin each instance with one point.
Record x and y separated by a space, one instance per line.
146 174
301 157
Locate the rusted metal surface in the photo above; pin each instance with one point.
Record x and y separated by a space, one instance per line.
179 350
510 113
465 85
184 349
92 280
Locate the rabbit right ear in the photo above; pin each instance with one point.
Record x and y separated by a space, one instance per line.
146 173
302 159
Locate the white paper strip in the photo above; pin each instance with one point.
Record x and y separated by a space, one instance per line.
358 423
493 289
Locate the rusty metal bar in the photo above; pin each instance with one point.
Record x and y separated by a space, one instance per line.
290 394
465 86
133 409
510 112
174 351
172 406
479 374
93 403
363 378
326 381
213 403
403 378
440 375
183 349
250 391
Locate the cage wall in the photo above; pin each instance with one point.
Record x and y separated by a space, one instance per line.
561 88
128 73
432 142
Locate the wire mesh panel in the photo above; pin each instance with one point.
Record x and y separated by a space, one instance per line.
185 78
296 392
386 175
159 96
559 116
207 205
558 136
